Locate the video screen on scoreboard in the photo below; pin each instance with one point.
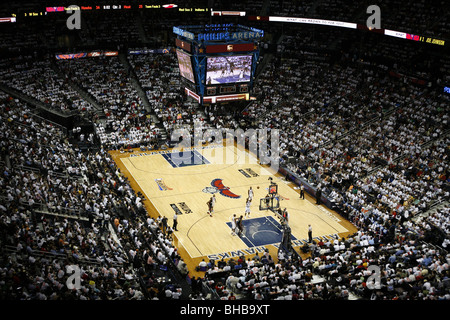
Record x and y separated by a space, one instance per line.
185 65
228 69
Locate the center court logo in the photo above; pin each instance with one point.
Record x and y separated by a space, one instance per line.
218 186
262 143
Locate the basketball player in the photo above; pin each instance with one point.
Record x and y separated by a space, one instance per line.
267 199
250 194
240 226
247 207
231 67
233 225
285 215
210 204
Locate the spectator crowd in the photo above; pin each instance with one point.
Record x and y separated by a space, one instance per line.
355 122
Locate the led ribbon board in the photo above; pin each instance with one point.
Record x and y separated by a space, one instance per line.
350 25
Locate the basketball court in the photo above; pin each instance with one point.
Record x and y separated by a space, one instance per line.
183 183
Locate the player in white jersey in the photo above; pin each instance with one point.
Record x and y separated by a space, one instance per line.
250 194
233 225
247 207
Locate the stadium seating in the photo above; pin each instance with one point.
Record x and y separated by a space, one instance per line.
352 116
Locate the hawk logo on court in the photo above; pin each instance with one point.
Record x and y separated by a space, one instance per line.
217 186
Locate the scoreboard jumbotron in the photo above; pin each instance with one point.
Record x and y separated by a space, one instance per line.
217 62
